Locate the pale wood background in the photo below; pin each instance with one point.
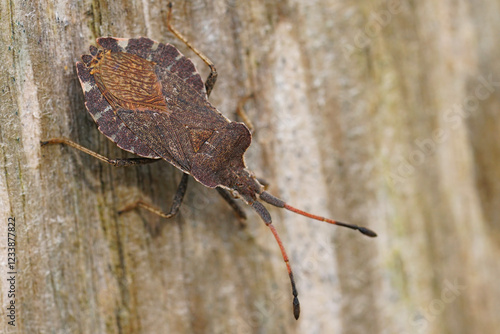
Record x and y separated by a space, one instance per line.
374 112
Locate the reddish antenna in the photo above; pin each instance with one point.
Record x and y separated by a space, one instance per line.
266 217
267 197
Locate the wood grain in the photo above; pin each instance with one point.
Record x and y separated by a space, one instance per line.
381 113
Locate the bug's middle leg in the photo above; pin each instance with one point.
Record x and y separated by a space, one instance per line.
212 77
176 204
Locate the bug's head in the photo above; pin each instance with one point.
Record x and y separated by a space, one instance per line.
245 185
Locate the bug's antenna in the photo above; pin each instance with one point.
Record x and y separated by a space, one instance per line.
267 197
266 217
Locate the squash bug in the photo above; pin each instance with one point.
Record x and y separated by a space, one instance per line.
149 100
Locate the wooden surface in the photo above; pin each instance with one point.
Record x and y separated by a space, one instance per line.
379 113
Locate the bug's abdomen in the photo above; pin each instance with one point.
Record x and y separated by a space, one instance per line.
109 124
129 82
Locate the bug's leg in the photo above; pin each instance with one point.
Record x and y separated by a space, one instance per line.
243 115
179 195
263 182
114 162
238 211
212 77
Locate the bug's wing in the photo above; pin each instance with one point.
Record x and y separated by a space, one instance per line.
177 132
158 95
162 134
165 56
182 86
103 114
211 162
194 112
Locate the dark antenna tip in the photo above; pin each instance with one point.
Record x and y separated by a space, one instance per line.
364 230
367 231
279 203
296 308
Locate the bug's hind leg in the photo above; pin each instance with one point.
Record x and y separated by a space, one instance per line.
114 162
212 77
176 204
179 195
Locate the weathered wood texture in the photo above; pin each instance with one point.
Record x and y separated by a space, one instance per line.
379 113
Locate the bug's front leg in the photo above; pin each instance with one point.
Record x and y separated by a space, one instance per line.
238 211
243 115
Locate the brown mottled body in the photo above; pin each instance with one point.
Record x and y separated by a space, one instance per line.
150 100
128 81
166 110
